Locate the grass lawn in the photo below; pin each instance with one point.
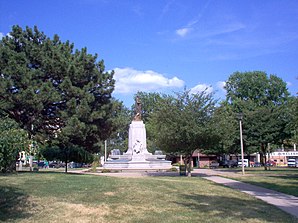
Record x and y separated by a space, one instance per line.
59 197
284 180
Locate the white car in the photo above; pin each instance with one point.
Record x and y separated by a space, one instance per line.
245 163
292 163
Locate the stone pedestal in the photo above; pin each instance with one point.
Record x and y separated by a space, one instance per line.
137 139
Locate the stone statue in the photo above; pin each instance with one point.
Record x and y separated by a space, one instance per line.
138 110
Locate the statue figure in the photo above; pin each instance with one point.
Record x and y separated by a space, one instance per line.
138 110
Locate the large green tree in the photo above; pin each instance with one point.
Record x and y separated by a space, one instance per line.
54 91
263 101
182 123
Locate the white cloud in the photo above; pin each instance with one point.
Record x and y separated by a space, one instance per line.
289 83
201 87
129 80
1 35
221 85
183 31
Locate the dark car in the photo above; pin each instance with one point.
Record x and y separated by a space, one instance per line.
41 164
229 163
256 164
56 165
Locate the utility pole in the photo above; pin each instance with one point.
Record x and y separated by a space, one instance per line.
240 116
105 150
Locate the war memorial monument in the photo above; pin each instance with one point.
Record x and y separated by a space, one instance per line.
137 155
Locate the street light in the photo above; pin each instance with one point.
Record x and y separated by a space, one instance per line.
240 117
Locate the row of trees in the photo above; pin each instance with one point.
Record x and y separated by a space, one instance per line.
184 122
61 98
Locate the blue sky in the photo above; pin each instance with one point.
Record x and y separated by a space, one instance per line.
164 45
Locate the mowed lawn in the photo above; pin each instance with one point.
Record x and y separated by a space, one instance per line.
59 197
280 179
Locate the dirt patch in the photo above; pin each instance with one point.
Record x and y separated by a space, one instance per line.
109 193
51 210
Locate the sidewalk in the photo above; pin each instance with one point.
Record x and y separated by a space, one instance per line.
287 203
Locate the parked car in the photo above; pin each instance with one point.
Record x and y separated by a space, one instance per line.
291 162
54 165
256 164
270 163
245 162
74 165
229 163
213 164
41 164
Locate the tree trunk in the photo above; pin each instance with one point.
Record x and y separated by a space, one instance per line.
66 159
189 165
66 166
268 150
263 150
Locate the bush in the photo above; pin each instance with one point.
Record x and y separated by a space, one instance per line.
106 171
94 166
173 169
95 163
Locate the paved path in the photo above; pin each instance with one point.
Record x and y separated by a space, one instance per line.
288 203
283 201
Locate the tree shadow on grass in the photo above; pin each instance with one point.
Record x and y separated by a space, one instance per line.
290 189
14 204
234 209
286 177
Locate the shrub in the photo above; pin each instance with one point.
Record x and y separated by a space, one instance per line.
173 169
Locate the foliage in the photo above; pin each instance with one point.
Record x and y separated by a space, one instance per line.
75 154
292 126
95 163
12 141
181 123
149 103
263 102
54 92
256 87
121 119
226 128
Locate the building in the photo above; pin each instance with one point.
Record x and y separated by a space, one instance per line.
281 157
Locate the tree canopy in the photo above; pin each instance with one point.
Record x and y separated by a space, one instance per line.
263 101
226 128
181 123
57 94
257 87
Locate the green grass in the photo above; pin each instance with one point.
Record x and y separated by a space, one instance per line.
59 197
284 180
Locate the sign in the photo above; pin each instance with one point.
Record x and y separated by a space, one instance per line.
293 153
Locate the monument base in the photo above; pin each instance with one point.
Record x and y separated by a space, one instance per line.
140 165
137 155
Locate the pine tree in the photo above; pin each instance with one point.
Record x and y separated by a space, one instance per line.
56 93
